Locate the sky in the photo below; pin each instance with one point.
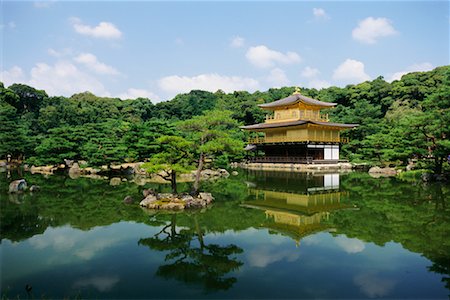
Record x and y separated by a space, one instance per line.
159 49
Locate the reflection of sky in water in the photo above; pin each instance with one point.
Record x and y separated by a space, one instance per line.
107 262
66 246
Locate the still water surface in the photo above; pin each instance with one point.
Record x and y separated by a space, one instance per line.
268 235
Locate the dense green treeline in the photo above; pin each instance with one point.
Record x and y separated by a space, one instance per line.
400 120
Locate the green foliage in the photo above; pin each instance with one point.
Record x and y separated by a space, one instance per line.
405 119
173 155
215 133
413 175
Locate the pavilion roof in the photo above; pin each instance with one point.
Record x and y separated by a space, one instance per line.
295 98
296 123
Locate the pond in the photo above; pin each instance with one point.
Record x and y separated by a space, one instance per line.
268 235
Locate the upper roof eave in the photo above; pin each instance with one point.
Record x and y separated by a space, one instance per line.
295 98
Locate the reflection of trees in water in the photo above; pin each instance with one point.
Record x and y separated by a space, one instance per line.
192 260
415 215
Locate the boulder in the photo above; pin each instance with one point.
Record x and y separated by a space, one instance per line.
150 199
234 173
207 197
17 186
223 173
169 201
74 171
164 196
43 169
90 170
115 181
410 167
69 162
427 177
148 192
35 188
128 200
383 171
173 206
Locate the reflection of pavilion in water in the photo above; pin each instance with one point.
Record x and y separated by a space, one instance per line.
295 205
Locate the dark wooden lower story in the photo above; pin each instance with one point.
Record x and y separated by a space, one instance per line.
295 153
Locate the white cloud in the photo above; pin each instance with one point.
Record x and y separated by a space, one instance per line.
349 245
373 286
132 93
61 53
309 72
422 67
263 57
261 257
207 82
92 63
278 77
64 78
371 29
104 30
13 75
101 283
350 71
318 84
319 13
237 42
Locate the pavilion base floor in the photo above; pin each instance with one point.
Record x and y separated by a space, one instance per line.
296 167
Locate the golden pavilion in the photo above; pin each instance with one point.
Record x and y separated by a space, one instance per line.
295 205
295 130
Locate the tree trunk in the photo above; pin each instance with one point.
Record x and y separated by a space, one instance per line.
438 161
173 181
198 173
199 234
173 226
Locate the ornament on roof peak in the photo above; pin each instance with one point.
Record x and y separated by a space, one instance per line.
297 91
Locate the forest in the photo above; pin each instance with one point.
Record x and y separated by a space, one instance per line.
399 121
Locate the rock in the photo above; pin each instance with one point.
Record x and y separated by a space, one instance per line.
223 173
69 162
128 200
410 167
234 173
124 180
167 201
383 171
82 162
89 170
206 197
164 196
43 169
115 181
150 199
16 186
74 171
427 177
148 192
173 206
35 188
375 170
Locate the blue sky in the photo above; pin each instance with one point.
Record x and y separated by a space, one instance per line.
159 49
